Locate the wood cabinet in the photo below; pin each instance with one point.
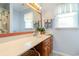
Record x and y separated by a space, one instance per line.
45 47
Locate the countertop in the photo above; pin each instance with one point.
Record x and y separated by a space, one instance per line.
16 45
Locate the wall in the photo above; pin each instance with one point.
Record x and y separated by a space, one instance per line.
16 20
66 41
48 10
16 23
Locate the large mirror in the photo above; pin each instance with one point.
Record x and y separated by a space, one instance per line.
18 17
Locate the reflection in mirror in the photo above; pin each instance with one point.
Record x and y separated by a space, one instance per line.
4 18
18 17
22 19
37 8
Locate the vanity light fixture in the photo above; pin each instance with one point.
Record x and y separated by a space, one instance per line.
36 7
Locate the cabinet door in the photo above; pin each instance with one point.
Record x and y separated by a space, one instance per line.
46 51
45 47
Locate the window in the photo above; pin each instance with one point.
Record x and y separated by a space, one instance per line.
66 20
67 16
28 18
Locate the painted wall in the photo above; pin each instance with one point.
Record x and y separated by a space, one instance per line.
16 20
65 40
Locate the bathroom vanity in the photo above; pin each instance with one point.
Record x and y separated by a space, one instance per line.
17 45
44 48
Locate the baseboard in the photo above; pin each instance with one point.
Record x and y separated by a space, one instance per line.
60 53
